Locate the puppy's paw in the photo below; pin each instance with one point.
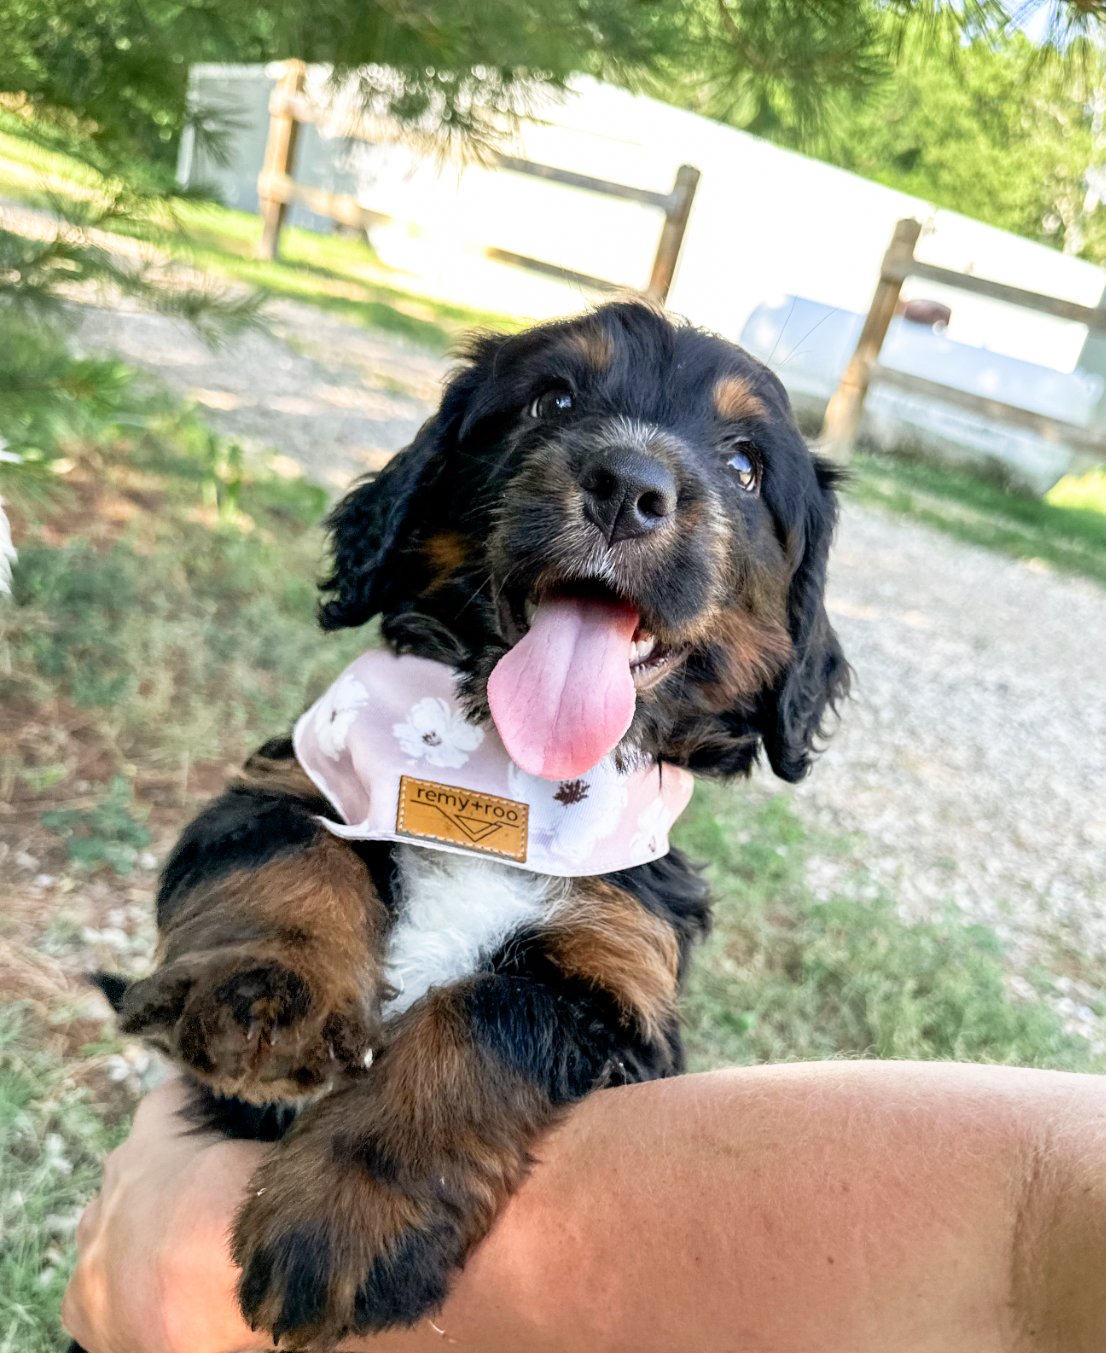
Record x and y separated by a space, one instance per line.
333 1243
249 1025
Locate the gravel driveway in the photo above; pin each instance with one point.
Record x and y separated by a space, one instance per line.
336 398
970 767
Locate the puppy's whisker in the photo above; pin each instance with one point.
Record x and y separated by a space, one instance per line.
476 594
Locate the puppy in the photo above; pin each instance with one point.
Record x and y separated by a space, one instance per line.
610 545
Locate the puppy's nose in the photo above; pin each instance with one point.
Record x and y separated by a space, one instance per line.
627 494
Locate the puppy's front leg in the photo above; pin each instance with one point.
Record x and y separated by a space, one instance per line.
270 931
359 1217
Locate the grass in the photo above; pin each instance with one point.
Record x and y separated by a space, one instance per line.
163 584
787 977
1066 530
56 1130
161 625
338 273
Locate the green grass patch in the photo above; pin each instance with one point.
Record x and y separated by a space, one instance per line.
165 584
1066 529
109 834
54 1136
30 170
788 977
207 639
335 272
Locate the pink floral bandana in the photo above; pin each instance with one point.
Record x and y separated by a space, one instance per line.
389 745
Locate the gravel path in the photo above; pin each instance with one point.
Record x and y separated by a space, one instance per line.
336 398
972 760
970 768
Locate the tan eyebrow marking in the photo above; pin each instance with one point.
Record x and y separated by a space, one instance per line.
595 345
734 397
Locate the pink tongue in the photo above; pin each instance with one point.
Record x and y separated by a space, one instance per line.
563 696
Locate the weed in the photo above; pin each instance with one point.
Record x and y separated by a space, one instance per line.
225 465
107 834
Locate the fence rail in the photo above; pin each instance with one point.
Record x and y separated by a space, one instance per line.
846 406
290 108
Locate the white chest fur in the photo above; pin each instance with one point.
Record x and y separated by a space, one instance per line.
456 912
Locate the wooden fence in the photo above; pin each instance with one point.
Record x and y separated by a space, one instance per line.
289 108
844 411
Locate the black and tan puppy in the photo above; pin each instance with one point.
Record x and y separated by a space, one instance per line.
619 460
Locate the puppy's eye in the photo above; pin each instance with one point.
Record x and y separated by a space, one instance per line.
743 462
555 403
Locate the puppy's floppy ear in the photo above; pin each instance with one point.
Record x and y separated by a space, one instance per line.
818 675
367 526
374 521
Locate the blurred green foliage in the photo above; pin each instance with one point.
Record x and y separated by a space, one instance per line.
995 131
116 70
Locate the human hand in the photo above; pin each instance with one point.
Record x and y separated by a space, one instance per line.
153 1272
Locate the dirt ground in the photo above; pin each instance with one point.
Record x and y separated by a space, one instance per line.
970 767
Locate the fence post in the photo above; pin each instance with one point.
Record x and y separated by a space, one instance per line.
280 151
672 233
847 402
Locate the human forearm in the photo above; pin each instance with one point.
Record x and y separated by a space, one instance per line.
844 1207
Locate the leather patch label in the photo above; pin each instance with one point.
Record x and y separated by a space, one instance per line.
462 817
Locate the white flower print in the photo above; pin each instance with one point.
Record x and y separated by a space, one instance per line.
335 714
437 733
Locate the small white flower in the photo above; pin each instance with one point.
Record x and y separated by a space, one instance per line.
133 1068
118 1068
335 715
54 1152
8 554
62 1223
111 936
437 733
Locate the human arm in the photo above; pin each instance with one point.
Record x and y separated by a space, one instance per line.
843 1207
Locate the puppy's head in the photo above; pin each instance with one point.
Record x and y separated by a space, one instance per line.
626 505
